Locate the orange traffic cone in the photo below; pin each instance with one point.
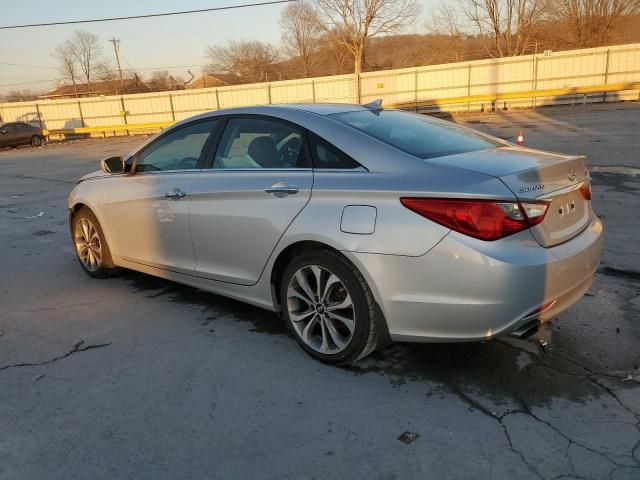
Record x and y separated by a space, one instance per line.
520 139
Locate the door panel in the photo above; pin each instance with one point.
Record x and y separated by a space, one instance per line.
10 137
260 179
149 227
24 133
149 210
235 224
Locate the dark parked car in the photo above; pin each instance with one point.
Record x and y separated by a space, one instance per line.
19 133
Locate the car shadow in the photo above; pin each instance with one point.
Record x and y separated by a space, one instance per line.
516 373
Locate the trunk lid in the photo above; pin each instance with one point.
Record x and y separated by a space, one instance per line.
537 175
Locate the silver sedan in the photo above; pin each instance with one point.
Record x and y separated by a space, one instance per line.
360 225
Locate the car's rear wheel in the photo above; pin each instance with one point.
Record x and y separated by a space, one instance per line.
329 307
90 245
36 141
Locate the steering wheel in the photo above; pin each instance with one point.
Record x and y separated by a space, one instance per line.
290 151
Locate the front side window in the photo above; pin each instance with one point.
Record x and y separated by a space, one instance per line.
178 150
418 135
260 143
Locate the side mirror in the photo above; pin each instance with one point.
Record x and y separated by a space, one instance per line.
112 165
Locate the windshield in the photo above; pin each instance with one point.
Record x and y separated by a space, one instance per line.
418 135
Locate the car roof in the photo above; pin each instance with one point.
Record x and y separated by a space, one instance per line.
323 108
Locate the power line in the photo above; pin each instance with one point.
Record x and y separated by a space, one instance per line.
34 81
150 15
24 65
166 67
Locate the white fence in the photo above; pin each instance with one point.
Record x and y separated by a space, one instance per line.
435 84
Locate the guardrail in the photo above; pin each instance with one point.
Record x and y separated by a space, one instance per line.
525 95
425 103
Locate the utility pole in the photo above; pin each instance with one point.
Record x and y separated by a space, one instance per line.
116 50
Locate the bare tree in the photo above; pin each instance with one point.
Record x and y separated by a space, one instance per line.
104 71
162 80
67 65
253 61
506 24
593 22
337 52
445 20
20 96
86 52
352 22
300 34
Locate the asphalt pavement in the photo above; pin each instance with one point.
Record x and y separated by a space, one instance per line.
139 378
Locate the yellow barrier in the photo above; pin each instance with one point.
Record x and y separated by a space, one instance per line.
553 92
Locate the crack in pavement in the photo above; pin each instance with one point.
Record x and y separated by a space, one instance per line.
499 418
76 349
590 375
620 273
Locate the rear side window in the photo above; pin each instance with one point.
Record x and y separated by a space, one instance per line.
255 142
419 135
326 155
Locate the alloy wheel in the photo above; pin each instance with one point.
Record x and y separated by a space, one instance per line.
88 246
321 309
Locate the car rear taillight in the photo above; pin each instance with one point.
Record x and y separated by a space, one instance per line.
585 191
483 219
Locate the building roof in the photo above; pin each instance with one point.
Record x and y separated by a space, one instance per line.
105 87
214 80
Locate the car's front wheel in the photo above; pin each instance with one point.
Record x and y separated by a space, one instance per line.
36 141
90 245
329 307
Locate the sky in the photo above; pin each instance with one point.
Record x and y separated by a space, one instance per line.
152 42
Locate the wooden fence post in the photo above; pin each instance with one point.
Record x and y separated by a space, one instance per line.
123 113
173 113
39 116
606 74
469 86
82 124
534 81
415 88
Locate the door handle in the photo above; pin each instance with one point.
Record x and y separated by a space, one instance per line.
175 194
282 189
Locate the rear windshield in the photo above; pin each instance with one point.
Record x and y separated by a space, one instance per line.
418 135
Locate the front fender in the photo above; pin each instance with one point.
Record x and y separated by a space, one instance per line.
94 195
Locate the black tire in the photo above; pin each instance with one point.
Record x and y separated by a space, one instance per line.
106 266
36 141
364 337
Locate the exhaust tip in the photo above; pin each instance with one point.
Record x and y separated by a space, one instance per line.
526 329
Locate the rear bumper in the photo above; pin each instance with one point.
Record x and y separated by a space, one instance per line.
466 289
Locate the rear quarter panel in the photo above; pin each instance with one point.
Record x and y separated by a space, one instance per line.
398 231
